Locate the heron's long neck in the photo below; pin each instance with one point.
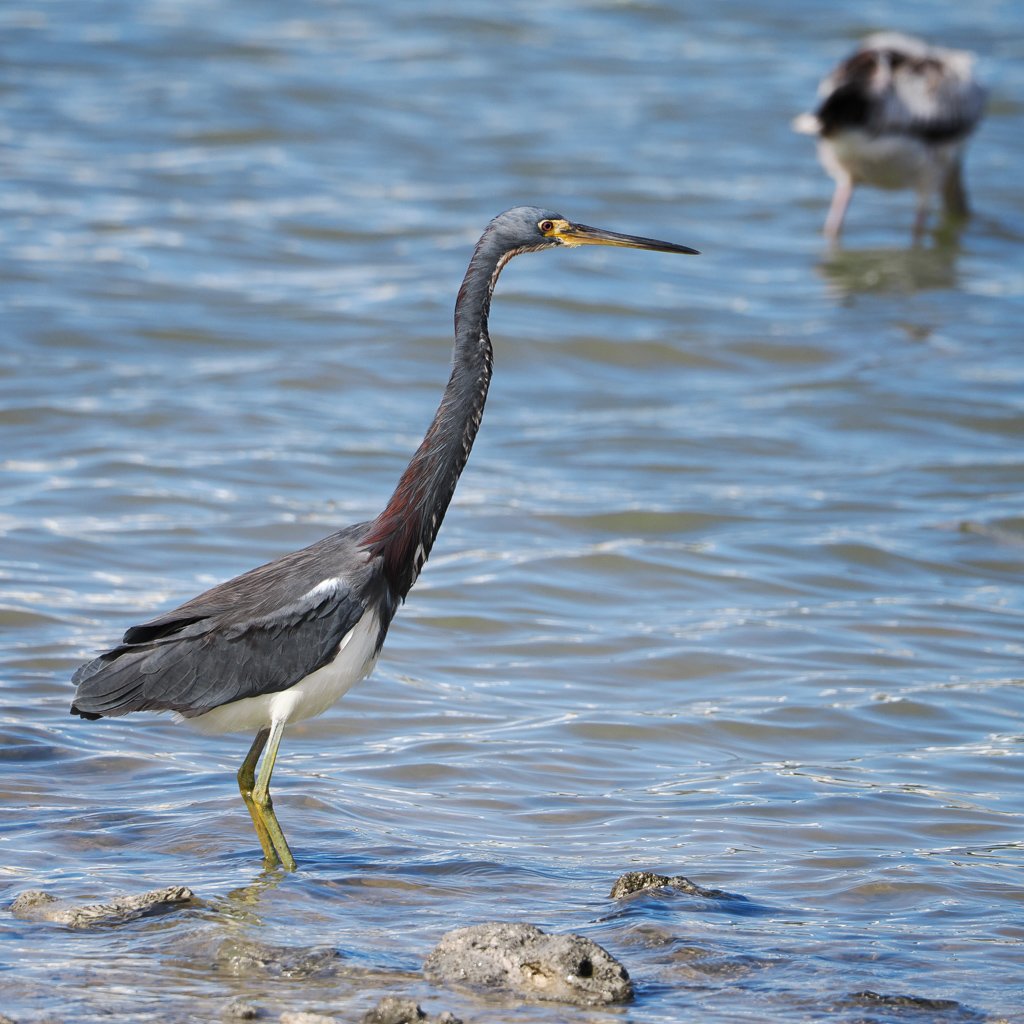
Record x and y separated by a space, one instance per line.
404 532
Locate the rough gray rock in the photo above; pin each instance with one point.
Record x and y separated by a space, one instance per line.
36 905
302 1017
637 881
242 958
393 1010
521 959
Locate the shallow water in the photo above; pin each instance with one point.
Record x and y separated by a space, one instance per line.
732 586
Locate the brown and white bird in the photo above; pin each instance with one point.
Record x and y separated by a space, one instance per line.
897 114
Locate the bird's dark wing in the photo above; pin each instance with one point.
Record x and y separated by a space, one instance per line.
258 633
899 86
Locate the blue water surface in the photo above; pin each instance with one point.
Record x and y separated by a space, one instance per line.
731 586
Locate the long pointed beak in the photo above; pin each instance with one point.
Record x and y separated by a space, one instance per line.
582 234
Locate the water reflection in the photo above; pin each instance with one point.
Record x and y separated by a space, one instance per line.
892 271
241 906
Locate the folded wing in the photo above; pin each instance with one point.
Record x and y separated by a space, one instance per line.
259 633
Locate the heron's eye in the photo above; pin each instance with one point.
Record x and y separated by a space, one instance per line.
546 226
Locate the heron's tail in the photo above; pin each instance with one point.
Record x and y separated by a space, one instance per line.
107 686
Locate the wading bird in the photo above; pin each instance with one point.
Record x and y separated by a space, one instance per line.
283 642
897 114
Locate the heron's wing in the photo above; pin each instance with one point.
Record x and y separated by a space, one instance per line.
259 633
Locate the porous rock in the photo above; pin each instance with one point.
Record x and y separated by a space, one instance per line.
36 905
521 959
243 957
637 881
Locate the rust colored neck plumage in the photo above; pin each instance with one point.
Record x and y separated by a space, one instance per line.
403 534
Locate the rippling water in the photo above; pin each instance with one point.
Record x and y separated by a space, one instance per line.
732 586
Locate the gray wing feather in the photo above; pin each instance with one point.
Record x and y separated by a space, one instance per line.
259 633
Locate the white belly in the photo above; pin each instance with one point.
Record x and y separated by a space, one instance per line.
310 696
887 161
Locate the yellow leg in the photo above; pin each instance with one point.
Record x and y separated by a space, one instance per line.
264 806
246 784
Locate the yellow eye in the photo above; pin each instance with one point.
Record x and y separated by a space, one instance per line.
546 226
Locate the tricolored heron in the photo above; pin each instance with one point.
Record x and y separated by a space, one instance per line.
897 114
284 641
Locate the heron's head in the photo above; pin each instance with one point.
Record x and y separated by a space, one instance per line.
529 228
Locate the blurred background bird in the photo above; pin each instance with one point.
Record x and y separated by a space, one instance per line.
897 114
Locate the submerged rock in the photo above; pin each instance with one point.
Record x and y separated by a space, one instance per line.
393 1010
521 959
36 905
903 1002
242 957
241 1009
637 881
